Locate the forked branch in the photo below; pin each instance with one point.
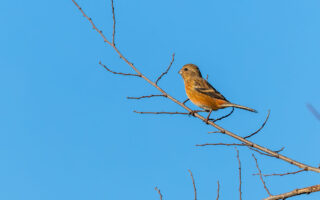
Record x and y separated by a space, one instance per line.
241 139
296 192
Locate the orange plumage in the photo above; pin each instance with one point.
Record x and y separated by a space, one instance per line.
201 93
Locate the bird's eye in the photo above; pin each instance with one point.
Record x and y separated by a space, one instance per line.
185 69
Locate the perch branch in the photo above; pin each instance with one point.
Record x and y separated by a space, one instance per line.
241 139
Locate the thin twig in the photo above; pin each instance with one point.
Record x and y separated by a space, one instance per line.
185 101
158 192
260 174
225 116
215 132
283 174
91 22
229 133
170 113
218 191
240 182
149 96
296 192
220 144
120 73
194 185
279 150
260 152
114 24
164 73
257 131
314 111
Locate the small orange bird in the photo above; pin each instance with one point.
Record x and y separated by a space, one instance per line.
201 93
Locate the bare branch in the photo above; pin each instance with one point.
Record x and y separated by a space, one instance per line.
229 133
264 184
296 192
225 116
164 73
120 73
260 152
220 144
185 101
283 174
257 131
158 192
215 132
194 185
114 24
279 150
240 181
149 96
93 25
170 113
314 111
218 191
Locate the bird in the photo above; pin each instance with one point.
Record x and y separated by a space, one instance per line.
201 93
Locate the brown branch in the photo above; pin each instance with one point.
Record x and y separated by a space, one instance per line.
158 192
194 185
170 113
283 174
149 96
260 174
229 133
93 25
296 192
260 152
164 73
120 73
225 116
240 181
314 111
185 101
218 191
220 144
215 132
257 131
279 150
114 24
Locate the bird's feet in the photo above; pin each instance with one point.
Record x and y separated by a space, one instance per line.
193 112
208 117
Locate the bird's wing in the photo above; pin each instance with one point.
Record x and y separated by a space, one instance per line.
205 88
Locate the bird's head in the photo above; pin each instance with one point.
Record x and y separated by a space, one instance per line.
190 70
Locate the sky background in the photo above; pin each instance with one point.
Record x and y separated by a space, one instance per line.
68 132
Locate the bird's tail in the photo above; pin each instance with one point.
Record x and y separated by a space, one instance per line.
238 106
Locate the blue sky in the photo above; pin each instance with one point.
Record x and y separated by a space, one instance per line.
68 131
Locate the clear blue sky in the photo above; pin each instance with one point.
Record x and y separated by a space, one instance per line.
68 131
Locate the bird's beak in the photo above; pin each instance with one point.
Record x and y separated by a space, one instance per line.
180 72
